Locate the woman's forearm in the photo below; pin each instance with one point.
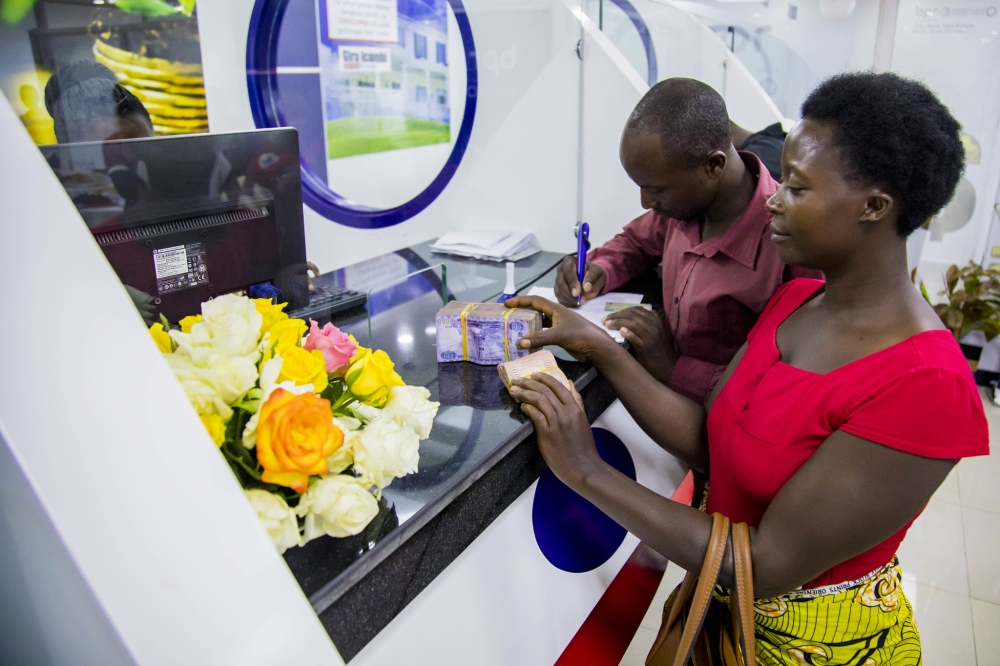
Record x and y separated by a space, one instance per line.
678 532
674 422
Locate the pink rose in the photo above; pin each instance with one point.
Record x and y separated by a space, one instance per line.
336 347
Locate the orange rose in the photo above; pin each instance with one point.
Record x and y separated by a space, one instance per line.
295 435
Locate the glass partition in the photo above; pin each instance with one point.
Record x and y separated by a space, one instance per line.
660 40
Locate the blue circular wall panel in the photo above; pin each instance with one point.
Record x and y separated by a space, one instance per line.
262 83
573 534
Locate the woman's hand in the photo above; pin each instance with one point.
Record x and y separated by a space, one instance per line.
652 342
564 436
581 338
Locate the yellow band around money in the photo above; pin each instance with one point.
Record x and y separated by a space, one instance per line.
464 318
506 343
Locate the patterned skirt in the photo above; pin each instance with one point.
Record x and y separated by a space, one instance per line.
865 622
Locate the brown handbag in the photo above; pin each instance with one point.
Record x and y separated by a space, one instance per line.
697 627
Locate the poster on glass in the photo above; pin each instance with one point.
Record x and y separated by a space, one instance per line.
385 75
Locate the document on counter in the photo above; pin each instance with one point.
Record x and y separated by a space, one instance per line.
597 309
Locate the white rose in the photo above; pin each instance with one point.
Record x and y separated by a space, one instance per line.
231 325
276 517
410 406
366 413
343 457
233 376
338 505
268 383
199 385
386 450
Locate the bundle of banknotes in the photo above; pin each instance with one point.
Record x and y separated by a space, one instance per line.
540 362
484 333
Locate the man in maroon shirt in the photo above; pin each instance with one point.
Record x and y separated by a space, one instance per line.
708 225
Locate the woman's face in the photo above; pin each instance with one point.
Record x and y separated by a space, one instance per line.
820 216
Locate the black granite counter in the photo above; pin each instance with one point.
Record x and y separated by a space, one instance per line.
480 457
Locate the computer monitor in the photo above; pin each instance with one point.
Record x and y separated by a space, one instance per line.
186 218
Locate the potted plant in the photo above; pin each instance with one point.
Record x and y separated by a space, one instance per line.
972 303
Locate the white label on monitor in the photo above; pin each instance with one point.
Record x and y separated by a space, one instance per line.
170 261
180 267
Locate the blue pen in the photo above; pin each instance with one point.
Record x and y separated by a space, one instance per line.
582 236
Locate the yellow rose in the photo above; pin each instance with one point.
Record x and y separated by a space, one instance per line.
361 351
371 376
271 313
295 435
303 367
161 338
188 322
216 428
283 335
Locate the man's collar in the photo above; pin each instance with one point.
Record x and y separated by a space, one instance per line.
741 241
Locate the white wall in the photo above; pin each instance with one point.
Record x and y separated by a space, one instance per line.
957 57
611 89
50 615
146 508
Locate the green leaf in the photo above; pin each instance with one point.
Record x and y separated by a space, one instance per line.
12 11
954 320
951 277
148 8
923 291
187 6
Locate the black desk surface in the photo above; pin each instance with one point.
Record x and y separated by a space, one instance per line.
481 454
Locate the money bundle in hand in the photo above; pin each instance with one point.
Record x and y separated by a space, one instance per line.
539 362
484 333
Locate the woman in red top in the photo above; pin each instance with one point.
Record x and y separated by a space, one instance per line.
846 409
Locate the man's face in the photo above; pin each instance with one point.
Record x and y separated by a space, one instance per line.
668 184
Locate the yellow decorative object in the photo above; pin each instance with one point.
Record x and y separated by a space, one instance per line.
295 435
172 92
121 56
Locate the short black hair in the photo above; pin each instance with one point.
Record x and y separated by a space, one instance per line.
894 133
689 116
82 91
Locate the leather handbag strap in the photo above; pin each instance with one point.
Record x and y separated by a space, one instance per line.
741 597
703 591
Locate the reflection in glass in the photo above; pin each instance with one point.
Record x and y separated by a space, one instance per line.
149 49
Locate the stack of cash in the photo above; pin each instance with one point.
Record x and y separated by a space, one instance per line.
484 333
540 361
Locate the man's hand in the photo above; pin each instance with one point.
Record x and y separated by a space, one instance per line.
581 338
568 284
653 344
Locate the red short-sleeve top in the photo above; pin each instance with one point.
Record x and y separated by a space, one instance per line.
917 396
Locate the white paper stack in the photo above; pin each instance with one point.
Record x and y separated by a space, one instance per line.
487 244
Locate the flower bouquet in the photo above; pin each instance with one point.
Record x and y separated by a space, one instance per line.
313 425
